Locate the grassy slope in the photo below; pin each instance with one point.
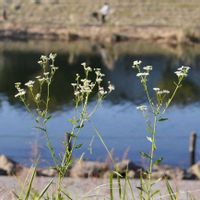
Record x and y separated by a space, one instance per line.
178 13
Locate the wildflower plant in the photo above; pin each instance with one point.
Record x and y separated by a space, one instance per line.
83 87
157 108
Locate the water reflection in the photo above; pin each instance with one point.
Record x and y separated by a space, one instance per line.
118 119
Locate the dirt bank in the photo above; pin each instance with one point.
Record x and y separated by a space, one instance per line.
161 34
166 21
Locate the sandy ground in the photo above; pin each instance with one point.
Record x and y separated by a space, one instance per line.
93 188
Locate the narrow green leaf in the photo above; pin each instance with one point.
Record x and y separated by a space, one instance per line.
172 194
157 162
111 186
47 119
80 126
67 195
30 184
45 189
118 174
141 189
73 121
162 119
78 146
40 128
145 155
155 193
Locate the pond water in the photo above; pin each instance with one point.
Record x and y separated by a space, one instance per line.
121 125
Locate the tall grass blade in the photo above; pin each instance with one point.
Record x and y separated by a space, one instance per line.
131 189
45 189
102 141
111 186
172 194
66 195
30 184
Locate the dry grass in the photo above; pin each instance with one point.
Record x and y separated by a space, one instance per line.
178 13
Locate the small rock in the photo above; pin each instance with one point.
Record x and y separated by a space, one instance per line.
119 38
165 171
3 172
73 37
86 169
125 165
47 172
195 170
8 165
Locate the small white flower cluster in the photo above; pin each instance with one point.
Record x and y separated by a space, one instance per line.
21 92
110 87
142 108
47 76
182 71
160 92
142 74
146 70
84 87
136 63
86 68
29 84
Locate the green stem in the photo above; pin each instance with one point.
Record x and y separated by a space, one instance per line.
173 95
151 157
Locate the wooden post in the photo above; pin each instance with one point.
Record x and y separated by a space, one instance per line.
192 148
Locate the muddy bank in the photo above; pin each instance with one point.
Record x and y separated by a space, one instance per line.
105 34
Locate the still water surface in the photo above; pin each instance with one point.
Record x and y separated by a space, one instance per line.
120 124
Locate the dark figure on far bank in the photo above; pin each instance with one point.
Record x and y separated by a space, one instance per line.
102 14
104 11
4 14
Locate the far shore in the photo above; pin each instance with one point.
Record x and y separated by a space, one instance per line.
171 36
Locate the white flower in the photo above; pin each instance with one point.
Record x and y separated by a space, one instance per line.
52 56
37 97
142 108
20 93
180 74
102 92
156 89
166 91
40 62
137 62
184 68
89 69
142 74
55 68
41 79
163 92
74 84
44 58
30 84
182 71
17 84
111 87
148 68
83 64
99 74
76 93
46 73
99 80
